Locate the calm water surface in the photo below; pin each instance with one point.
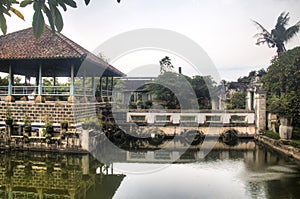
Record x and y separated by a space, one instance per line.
243 171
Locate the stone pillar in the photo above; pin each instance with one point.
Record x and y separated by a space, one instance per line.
249 100
260 110
285 128
85 165
214 103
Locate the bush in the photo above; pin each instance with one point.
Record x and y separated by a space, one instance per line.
295 143
132 105
272 135
148 104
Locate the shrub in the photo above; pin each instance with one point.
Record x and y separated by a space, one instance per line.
148 104
295 143
272 135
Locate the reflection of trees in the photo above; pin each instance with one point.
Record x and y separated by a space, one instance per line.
41 175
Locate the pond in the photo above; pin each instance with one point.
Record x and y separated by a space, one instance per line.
245 170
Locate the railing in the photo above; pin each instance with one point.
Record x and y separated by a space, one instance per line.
106 93
3 90
24 90
56 90
32 91
81 91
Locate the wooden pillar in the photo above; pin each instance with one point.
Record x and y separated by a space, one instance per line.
71 98
112 84
84 99
93 89
83 82
40 80
39 98
9 97
106 85
93 85
54 85
100 86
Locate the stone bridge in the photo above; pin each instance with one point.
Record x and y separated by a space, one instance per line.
209 123
245 122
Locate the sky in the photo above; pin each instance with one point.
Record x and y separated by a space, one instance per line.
222 28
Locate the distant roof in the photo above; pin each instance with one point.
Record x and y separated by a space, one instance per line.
136 83
22 45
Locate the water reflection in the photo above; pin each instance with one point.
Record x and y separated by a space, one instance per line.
40 175
242 171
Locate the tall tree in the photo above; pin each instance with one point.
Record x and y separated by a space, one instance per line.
165 64
282 84
279 35
237 101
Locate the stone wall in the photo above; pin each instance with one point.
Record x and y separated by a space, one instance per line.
72 112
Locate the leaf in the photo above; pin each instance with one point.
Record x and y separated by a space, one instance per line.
4 10
71 3
38 23
50 18
87 2
62 4
17 12
25 3
59 24
3 25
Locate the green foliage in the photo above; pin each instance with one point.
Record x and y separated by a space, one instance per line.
6 9
282 83
8 114
165 64
272 135
132 105
139 103
164 87
295 143
48 120
4 81
202 86
237 101
148 103
170 86
50 8
27 121
249 78
279 35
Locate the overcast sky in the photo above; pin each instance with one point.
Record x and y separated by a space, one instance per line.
223 28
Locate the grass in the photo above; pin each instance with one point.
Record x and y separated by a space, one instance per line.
295 143
272 135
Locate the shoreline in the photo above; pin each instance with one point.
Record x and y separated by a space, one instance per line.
278 146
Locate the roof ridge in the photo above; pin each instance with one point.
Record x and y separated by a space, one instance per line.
69 42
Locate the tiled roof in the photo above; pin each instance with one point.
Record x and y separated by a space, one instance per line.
23 45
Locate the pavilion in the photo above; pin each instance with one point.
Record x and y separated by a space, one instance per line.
52 55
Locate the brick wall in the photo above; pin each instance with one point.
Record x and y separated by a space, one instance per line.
59 111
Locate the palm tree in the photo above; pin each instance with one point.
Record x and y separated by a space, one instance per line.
279 35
